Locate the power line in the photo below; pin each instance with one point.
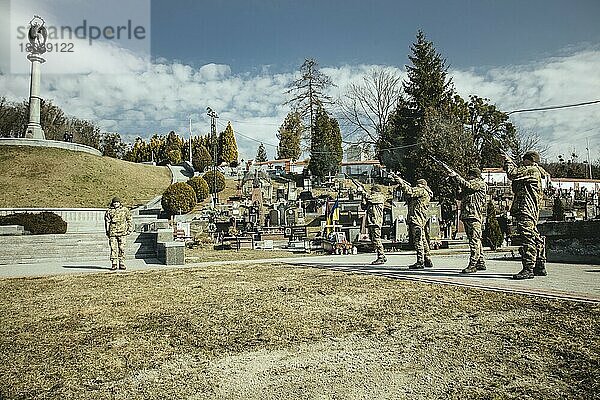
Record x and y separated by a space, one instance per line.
554 107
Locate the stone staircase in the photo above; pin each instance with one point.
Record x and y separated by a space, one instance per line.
29 249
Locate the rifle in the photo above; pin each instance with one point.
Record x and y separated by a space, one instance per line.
443 164
359 186
497 145
397 177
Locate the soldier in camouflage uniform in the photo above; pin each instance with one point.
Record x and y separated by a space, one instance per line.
417 200
472 207
118 225
373 203
528 194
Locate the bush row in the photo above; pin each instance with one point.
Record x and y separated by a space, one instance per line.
37 224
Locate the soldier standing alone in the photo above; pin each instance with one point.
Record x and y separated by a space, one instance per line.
373 204
528 194
417 199
118 225
472 206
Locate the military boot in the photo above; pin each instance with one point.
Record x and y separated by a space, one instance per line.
540 268
380 260
428 263
470 269
113 267
417 265
122 266
480 265
526 273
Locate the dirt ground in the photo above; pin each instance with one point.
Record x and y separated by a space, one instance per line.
281 332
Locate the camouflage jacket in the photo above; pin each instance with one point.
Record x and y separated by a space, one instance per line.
417 200
117 221
527 189
472 196
374 203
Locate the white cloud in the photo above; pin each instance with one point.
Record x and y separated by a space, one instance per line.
163 96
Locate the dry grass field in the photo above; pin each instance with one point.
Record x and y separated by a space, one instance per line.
282 332
49 177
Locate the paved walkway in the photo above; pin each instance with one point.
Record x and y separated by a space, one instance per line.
568 281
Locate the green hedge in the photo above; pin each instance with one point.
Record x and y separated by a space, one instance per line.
37 224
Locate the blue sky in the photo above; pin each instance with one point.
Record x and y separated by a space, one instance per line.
239 56
470 33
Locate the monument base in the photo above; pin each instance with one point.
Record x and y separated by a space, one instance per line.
34 131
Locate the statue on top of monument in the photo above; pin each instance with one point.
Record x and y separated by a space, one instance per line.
38 34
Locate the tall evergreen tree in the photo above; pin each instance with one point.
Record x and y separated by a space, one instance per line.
228 151
261 154
309 93
289 135
427 88
326 145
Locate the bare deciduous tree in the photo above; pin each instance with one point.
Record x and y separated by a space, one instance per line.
367 106
529 140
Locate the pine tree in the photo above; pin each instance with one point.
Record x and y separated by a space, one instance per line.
289 135
326 145
309 93
261 154
228 151
427 88
201 158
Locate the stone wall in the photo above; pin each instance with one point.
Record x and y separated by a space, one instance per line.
49 143
572 241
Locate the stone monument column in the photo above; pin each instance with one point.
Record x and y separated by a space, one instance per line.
34 128
36 47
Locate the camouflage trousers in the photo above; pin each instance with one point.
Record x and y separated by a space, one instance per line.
375 237
420 242
473 230
117 249
533 245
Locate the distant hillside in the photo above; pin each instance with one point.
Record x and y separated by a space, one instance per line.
49 177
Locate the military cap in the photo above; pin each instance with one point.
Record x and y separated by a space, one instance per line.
115 200
532 155
422 182
476 172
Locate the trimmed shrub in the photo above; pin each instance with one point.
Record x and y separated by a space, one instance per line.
209 177
558 210
492 234
37 224
200 187
179 198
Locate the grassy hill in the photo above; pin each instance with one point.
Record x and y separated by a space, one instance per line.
49 177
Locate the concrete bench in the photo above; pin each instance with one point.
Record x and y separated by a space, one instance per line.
11 230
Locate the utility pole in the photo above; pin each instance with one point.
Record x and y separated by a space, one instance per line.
213 134
190 142
587 140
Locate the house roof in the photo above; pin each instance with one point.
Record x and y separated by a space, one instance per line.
365 162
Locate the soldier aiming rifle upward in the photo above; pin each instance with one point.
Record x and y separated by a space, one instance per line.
417 200
373 204
528 194
472 194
